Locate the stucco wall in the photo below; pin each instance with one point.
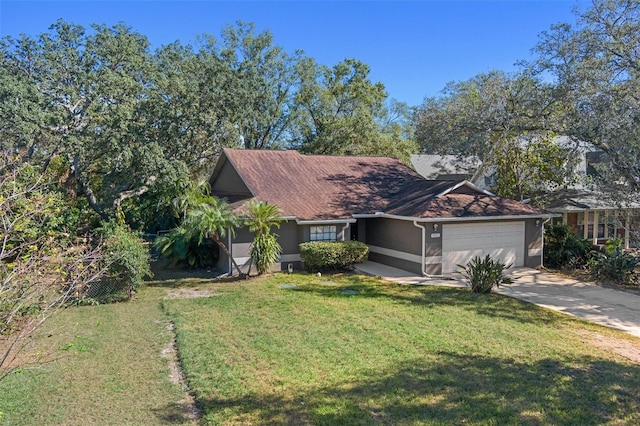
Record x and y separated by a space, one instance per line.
290 235
228 181
396 243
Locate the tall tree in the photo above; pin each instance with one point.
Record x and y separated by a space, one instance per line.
266 78
505 120
596 66
343 112
529 167
73 94
473 115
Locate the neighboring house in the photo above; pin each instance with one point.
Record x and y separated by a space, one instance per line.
422 226
446 167
589 211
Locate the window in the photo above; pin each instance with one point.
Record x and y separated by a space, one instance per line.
323 233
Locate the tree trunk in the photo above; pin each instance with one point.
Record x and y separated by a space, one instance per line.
87 191
216 238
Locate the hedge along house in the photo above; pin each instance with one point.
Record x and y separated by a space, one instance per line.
408 222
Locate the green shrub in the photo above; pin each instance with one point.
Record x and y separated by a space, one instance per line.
485 274
127 257
332 254
564 249
183 248
614 263
265 251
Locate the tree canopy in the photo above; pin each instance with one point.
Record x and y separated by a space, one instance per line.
131 125
583 84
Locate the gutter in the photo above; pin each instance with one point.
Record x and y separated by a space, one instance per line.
230 263
460 219
324 222
344 228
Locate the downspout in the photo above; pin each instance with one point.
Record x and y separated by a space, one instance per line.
344 228
230 264
424 237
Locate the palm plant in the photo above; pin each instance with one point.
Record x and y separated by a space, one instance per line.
205 216
265 248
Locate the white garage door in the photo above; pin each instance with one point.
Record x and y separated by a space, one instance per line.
501 240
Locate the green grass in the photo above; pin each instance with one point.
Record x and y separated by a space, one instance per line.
256 353
107 368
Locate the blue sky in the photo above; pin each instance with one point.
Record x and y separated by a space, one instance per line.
414 48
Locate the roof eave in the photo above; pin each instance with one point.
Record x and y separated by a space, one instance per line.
468 218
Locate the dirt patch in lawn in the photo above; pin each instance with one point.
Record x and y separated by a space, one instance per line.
625 348
189 293
176 376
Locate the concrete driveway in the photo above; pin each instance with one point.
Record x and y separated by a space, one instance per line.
612 308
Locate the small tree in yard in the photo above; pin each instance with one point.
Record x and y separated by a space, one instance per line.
205 216
41 266
485 274
265 248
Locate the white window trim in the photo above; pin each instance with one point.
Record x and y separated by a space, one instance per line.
324 230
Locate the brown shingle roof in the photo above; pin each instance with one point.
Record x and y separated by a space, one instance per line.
323 187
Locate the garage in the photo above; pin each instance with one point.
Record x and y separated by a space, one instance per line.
501 240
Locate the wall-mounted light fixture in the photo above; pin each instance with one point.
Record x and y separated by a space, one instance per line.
537 223
435 227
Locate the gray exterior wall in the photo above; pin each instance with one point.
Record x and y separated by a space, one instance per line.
290 235
397 243
433 249
229 182
393 242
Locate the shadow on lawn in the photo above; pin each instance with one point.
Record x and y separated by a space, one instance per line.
454 389
492 305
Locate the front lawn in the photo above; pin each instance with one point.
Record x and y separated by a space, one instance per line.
340 349
105 366
301 349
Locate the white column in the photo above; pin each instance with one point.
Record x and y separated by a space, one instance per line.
627 229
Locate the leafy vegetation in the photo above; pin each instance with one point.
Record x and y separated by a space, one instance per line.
202 217
614 263
265 249
128 125
485 274
332 255
183 249
42 265
582 84
127 260
564 249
